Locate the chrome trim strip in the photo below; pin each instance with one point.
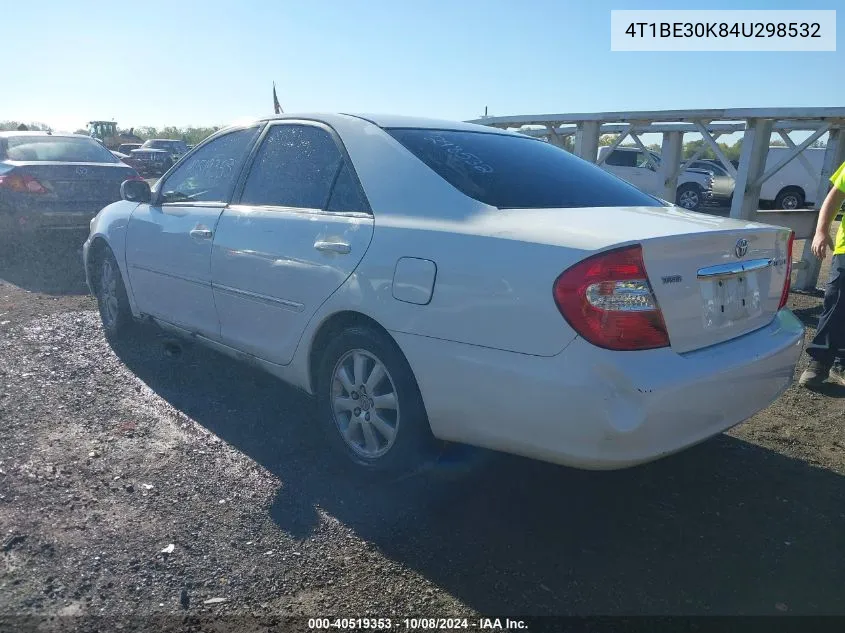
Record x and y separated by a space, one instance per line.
299 210
728 270
190 280
275 301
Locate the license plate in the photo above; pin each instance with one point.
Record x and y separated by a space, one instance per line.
730 299
88 190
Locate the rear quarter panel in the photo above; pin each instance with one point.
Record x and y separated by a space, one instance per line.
489 291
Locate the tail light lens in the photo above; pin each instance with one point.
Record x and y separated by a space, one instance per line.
21 183
608 300
784 297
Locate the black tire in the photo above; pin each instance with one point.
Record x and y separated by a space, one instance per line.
116 315
413 442
790 198
689 196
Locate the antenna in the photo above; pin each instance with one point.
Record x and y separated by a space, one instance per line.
485 111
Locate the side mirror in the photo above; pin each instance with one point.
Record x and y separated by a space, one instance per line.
135 191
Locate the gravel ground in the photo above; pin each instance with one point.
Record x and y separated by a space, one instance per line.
163 493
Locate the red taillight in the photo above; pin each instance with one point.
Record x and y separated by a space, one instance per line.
21 183
784 297
608 300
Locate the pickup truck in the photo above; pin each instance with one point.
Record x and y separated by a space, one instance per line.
695 186
151 162
175 147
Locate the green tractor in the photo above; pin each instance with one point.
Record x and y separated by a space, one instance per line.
106 132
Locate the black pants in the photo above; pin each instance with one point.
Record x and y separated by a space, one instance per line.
829 343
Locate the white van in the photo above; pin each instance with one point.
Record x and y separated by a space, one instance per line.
792 187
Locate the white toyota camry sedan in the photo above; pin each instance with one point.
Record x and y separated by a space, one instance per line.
429 279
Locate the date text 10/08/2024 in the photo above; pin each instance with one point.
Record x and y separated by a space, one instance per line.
416 624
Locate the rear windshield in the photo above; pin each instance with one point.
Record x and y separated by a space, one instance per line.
168 145
518 172
56 149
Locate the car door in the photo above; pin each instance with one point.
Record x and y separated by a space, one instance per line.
168 242
300 226
645 176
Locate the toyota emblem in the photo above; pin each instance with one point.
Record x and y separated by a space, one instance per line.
81 171
741 247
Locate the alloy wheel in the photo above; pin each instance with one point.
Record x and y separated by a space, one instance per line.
365 403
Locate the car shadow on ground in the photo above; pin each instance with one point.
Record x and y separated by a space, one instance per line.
727 527
50 265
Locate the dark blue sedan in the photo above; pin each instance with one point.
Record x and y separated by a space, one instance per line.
54 182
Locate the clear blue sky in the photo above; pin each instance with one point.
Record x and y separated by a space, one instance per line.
148 62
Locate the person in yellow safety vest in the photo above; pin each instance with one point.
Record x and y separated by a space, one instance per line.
827 350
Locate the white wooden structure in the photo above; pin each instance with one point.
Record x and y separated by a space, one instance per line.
757 126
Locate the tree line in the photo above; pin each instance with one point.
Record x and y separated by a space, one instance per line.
6 126
191 135
194 135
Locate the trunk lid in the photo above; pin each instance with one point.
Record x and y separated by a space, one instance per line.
678 246
715 286
75 187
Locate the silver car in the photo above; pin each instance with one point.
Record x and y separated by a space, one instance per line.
723 182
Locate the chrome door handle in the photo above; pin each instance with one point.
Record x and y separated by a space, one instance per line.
203 234
341 248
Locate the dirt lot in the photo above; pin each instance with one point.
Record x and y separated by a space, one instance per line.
109 457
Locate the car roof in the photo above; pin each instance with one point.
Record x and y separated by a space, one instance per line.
395 121
169 140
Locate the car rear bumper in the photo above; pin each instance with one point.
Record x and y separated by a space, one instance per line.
599 409
24 222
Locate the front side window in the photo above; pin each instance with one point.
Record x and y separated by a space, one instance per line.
643 160
295 166
510 171
209 174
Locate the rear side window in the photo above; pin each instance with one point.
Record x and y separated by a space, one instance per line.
347 194
56 149
620 158
518 172
301 166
